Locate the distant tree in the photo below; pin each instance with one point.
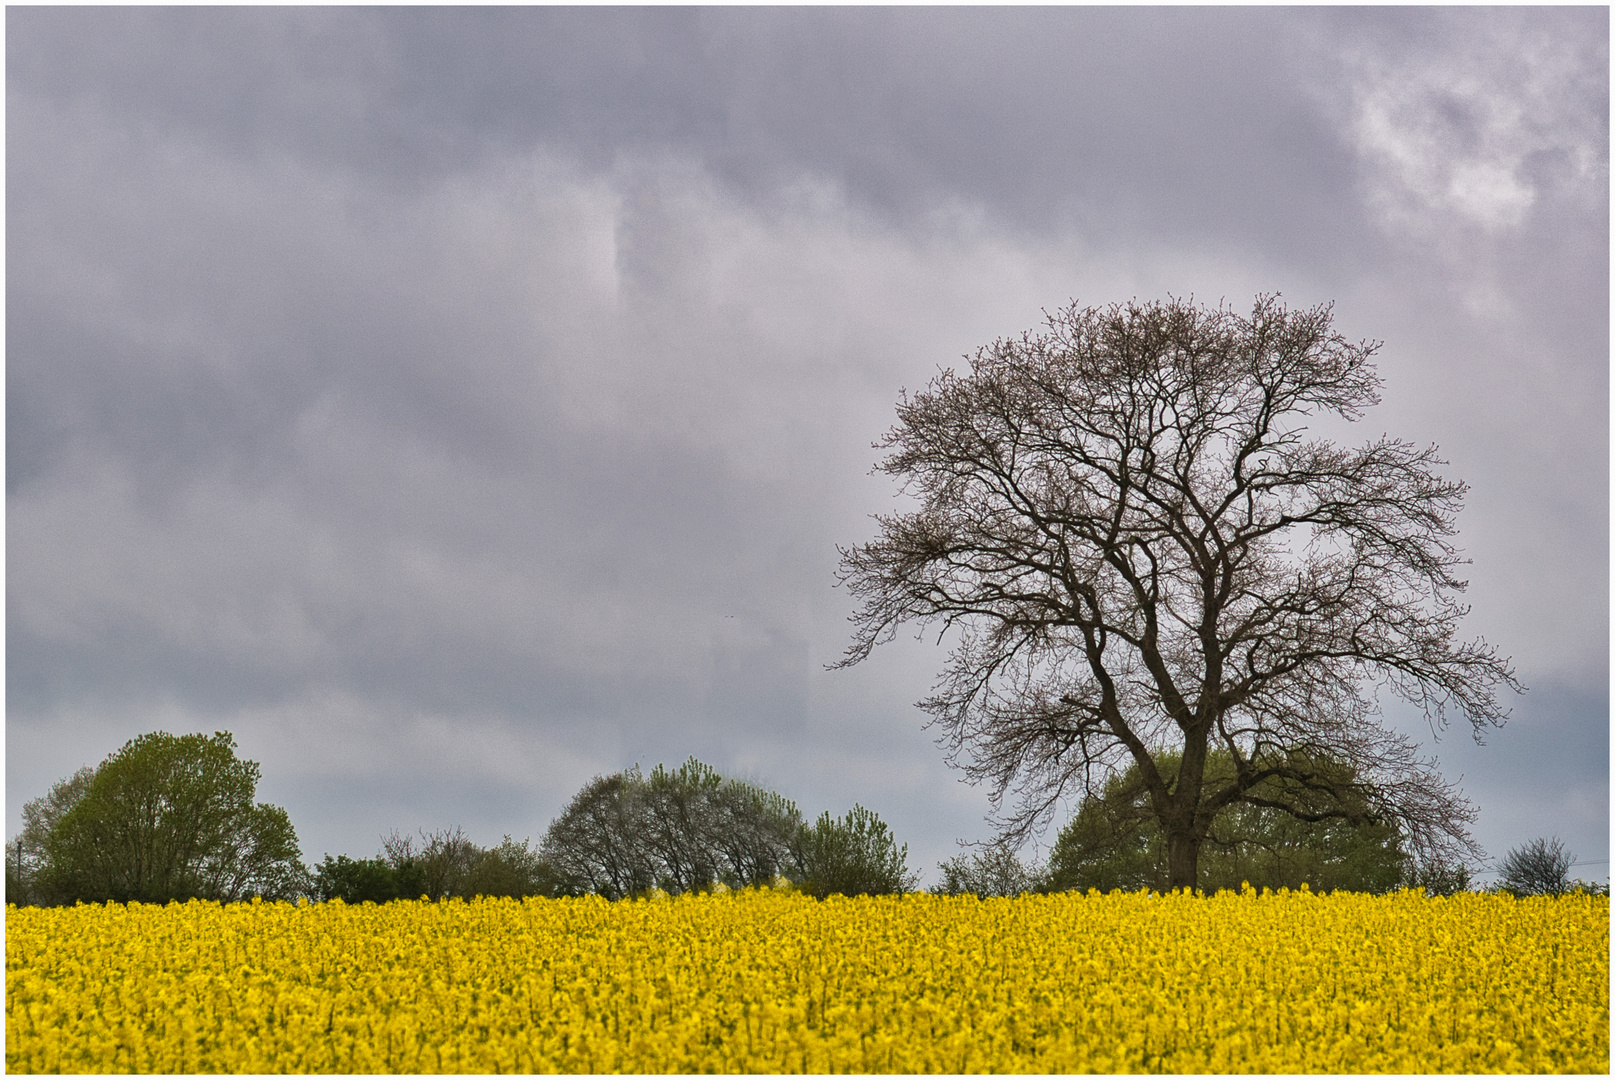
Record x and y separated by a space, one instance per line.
1440 878
755 835
677 830
598 845
992 871
1115 842
164 818
25 854
440 864
510 868
1540 867
690 828
679 821
854 856
354 881
1141 550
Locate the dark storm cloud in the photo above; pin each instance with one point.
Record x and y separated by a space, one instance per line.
457 402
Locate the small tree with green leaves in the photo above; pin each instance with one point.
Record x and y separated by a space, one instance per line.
510 868
855 855
25 854
354 881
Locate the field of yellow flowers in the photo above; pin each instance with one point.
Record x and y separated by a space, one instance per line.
776 982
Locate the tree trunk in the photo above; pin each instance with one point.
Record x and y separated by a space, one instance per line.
1182 836
1182 860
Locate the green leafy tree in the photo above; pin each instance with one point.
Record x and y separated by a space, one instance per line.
854 856
510 868
164 818
1115 842
355 881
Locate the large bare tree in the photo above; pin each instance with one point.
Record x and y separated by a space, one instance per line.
1143 555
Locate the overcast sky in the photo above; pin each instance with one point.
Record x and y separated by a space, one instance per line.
456 404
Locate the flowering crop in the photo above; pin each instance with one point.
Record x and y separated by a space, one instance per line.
775 982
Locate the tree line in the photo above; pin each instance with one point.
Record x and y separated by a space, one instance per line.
174 817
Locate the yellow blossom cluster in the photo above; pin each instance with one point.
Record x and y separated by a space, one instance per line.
771 981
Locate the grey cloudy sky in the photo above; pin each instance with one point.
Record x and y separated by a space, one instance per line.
455 404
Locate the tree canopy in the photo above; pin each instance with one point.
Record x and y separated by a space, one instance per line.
1139 549
166 817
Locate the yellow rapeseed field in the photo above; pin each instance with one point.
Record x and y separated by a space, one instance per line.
776 982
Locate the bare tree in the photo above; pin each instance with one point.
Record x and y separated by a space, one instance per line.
1141 551
1539 868
990 870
